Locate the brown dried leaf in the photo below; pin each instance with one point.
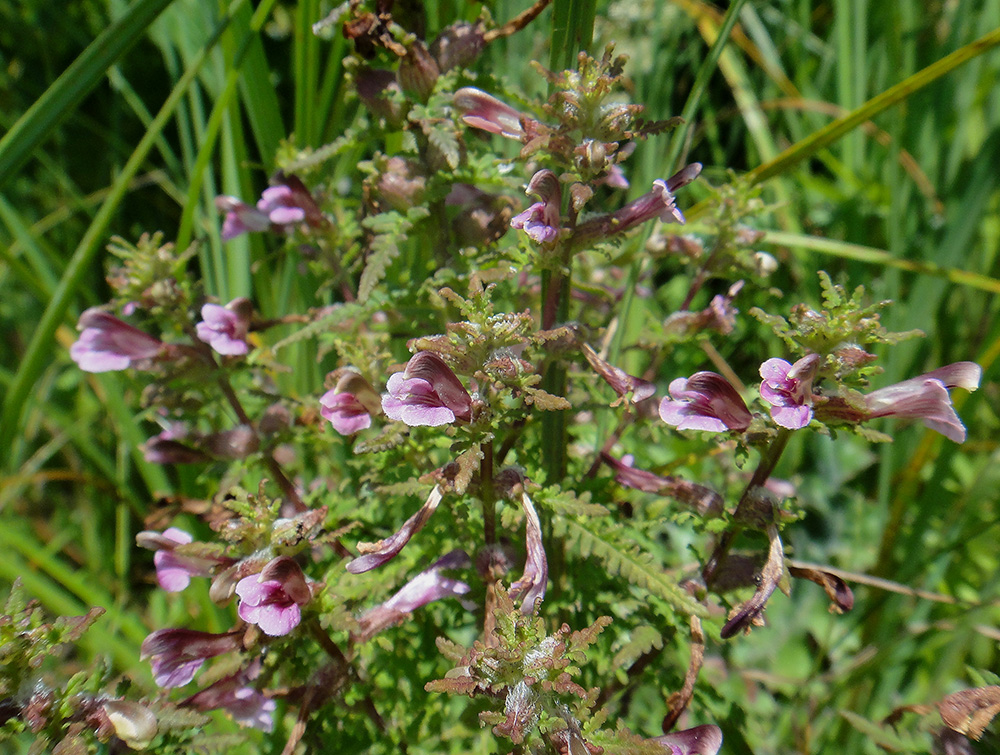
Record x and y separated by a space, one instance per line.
970 711
841 597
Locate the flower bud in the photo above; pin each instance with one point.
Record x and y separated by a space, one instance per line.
458 45
418 72
134 724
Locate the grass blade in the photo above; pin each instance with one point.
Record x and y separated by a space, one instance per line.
75 82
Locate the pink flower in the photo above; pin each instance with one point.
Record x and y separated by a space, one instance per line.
374 555
225 328
788 388
177 654
272 599
701 740
629 388
428 586
657 203
484 111
542 221
174 570
427 393
240 217
705 401
533 582
107 343
279 207
615 179
926 398
533 221
350 405
246 705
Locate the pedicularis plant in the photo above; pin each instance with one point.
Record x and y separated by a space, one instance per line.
451 547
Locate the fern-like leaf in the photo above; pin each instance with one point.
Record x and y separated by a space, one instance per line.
629 563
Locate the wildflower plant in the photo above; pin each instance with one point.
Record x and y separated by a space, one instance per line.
428 509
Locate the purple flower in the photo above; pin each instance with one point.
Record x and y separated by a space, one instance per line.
174 570
701 740
657 203
484 111
107 343
705 401
615 179
246 705
629 388
374 555
272 599
926 398
177 654
428 586
702 499
719 315
533 221
240 217
285 204
350 405
788 388
172 573
427 392
531 586
225 328
541 221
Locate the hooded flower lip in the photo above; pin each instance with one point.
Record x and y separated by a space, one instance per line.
788 388
533 582
246 705
926 398
174 571
486 112
107 343
542 221
279 207
225 328
272 599
350 405
374 555
427 392
705 401
659 202
426 587
700 740
177 654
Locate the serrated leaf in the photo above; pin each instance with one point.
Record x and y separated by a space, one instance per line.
445 141
642 639
629 563
328 320
384 252
568 503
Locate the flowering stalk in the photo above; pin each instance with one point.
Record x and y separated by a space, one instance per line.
768 461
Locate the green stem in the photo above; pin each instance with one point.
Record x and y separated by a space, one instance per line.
768 461
487 493
556 284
